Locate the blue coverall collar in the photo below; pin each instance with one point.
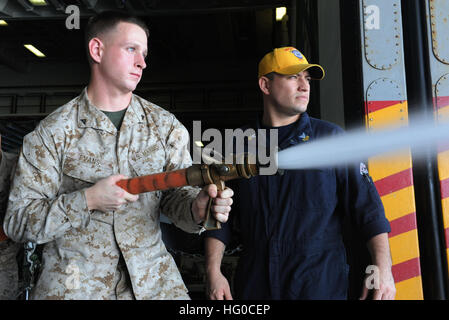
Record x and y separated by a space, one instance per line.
301 133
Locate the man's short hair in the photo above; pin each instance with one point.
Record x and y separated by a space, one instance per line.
270 75
106 21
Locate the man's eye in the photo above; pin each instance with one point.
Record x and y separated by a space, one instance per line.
131 49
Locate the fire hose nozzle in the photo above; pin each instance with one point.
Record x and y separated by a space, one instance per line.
199 175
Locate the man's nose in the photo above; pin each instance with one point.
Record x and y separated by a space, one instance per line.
303 84
141 62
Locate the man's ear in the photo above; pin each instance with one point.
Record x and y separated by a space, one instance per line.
264 85
95 49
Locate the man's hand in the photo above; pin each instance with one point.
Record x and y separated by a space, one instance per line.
106 196
221 205
217 287
384 288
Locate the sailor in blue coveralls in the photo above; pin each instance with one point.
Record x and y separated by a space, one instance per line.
290 225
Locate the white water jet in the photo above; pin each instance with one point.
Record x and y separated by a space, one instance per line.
358 145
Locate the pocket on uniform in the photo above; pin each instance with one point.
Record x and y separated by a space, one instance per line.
142 164
149 161
81 171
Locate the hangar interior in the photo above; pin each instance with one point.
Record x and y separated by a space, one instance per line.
202 64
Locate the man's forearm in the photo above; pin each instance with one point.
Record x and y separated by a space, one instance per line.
379 249
384 287
214 249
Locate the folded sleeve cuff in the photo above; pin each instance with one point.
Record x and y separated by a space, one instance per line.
223 234
76 209
375 227
177 204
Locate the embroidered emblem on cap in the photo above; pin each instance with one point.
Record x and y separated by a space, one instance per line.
297 54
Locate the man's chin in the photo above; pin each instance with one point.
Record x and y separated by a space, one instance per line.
129 88
299 110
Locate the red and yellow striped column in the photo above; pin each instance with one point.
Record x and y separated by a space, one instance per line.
442 112
393 177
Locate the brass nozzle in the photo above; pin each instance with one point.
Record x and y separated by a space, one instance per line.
244 166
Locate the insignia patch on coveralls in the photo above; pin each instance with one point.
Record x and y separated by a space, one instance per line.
304 137
364 172
297 54
363 169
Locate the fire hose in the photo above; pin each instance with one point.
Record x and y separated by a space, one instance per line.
196 175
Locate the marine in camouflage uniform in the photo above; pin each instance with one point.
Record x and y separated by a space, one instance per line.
100 242
8 249
87 255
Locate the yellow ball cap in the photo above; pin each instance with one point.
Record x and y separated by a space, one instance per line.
288 60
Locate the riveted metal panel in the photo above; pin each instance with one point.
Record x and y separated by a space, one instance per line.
438 37
382 33
385 89
386 105
442 89
439 22
442 110
395 110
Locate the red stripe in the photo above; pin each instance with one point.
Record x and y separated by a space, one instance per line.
444 187
446 233
441 102
406 270
394 182
402 224
372 106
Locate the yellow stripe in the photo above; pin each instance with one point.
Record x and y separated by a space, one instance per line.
399 203
443 113
387 164
443 157
443 165
395 116
445 210
443 171
404 246
409 289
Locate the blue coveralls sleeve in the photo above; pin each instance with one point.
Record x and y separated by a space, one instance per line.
362 201
223 234
357 193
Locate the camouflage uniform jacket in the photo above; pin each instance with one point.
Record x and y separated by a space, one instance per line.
9 270
7 164
70 150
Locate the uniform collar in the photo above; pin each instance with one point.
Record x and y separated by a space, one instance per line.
301 133
89 116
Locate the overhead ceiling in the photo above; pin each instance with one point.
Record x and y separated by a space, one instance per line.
180 30
185 35
24 9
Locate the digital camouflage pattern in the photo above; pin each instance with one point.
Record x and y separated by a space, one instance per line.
86 254
8 249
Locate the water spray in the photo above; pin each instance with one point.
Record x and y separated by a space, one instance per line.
359 145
